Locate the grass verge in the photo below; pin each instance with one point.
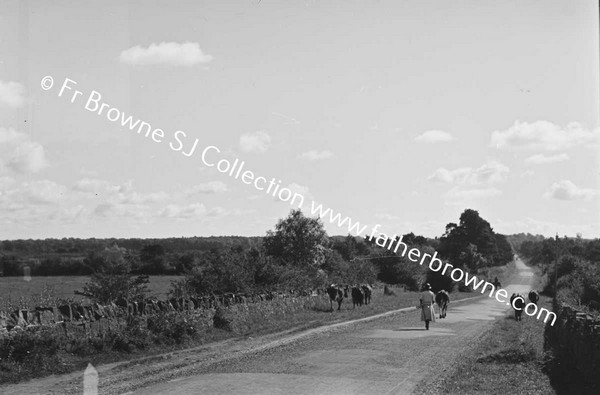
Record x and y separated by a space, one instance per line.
507 359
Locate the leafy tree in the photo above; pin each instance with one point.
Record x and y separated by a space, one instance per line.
335 266
227 271
455 244
298 240
439 281
471 258
411 238
348 247
112 279
393 269
361 271
154 260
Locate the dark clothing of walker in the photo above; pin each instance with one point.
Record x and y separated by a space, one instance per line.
427 300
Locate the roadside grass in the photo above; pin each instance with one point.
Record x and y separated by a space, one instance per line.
509 359
321 313
177 333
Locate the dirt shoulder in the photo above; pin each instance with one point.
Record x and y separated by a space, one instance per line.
389 353
126 376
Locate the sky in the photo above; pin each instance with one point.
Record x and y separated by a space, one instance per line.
398 113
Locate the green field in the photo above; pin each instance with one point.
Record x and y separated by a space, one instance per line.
15 290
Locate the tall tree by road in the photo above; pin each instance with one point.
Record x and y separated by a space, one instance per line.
298 240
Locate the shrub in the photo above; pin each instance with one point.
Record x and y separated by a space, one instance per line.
113 279
30 353
119 342
221 320
172 327
29 345
581 286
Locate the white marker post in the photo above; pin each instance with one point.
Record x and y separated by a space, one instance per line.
90 380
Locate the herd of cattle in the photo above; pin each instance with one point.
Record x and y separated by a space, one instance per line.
361 294
517 301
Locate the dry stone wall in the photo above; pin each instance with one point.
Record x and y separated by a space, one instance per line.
97 320
575 342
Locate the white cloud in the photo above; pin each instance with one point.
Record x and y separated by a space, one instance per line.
19 153
222 212
45 192
108 210
289 120
258 141
544 136
68 214
429 228
458 194
40 192
34 203
300 189
444 175
527 173
28 157
5 183
118 194
165 53
540 159
195 210
296 189
434 136
87 172
567 190
216 212
132 197
207 187
8 136
313 155
12 94
95 186
387 217
488 173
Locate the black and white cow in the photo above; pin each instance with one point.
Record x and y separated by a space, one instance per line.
518 303
336 293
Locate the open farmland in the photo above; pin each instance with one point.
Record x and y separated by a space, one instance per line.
15 289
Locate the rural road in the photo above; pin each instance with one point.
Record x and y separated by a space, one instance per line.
388 355
385 356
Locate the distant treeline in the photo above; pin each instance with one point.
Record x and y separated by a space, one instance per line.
81 247
571 266
70 256
297 254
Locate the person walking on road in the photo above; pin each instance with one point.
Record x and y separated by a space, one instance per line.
427 312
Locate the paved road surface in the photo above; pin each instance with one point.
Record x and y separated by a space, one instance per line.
386 356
